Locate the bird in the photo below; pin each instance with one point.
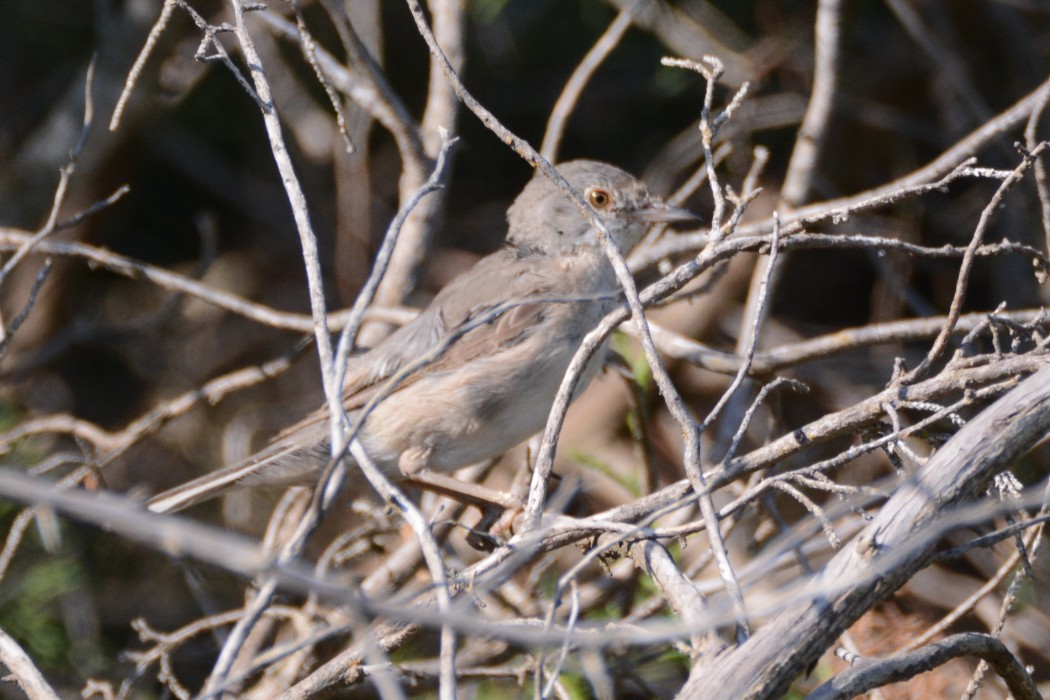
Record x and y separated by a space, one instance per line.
528 306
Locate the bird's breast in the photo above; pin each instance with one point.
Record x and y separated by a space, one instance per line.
481 409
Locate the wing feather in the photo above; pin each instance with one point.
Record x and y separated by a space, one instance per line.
507 276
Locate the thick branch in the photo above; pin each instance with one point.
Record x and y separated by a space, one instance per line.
885 555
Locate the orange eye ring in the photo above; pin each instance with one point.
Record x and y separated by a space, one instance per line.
599 198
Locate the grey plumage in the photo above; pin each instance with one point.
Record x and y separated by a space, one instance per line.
493 387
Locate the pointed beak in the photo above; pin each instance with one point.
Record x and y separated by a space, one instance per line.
657 212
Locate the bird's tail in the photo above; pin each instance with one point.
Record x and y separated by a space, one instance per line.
284 463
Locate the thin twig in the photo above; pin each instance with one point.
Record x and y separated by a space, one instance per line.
308 242
940 344
23 671
1042 180
581 75
364 298
439 115
812 133
874 674
365 85
140 62
309 49
65 174
135 269
19 319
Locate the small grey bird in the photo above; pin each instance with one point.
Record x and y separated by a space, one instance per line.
493 387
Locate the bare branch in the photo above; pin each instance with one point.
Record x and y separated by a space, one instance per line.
869 674
956 474
570 94
24 671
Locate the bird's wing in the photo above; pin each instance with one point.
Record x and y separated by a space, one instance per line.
501 285
501 279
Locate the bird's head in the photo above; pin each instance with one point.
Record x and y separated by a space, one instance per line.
543 218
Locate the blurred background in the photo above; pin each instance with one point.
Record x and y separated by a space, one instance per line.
205 200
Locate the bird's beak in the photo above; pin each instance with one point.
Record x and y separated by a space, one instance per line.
657 212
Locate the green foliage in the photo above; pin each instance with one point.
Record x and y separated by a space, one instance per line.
30 609
576 685
671 82
485 11
592 461
634 356
28 451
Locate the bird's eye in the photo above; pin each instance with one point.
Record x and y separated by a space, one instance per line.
599 198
